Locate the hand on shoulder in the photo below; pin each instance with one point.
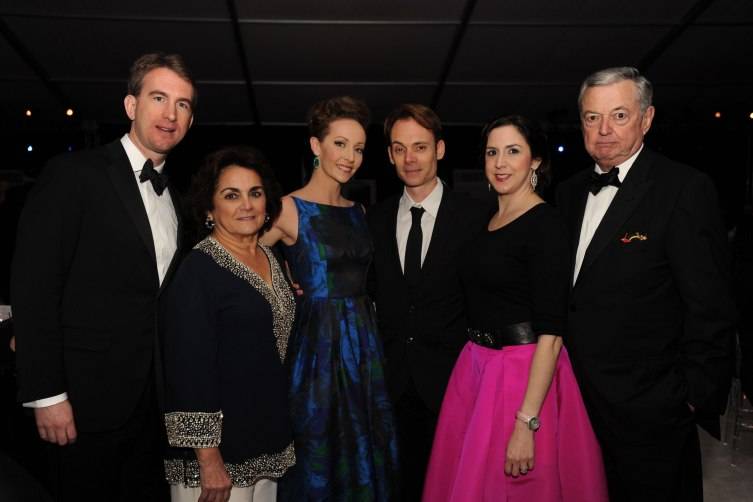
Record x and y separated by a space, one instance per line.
286 226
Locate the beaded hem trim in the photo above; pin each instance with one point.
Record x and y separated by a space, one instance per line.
279 297
193 429
186 472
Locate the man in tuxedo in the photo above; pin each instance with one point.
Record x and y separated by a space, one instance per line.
418 236
97 241
651 316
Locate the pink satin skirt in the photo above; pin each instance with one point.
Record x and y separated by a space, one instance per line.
485 391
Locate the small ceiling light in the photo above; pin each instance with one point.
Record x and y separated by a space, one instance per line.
718 115
561 148
69 112
751 115
28 112
29 148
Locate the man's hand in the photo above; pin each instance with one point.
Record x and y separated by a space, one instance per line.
55 423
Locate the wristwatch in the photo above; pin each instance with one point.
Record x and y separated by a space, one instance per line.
532 422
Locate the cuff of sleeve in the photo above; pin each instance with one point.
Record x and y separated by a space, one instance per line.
194 429
48 401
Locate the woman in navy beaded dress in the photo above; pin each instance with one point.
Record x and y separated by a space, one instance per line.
343 427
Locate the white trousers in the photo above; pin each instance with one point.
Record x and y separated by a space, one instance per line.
265 490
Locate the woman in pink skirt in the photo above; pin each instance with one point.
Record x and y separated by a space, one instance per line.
513 425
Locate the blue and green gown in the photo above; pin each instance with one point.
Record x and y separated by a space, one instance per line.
343 425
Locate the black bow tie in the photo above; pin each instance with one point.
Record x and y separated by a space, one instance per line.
599 181
158 180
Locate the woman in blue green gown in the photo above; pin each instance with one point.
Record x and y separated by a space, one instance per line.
343 426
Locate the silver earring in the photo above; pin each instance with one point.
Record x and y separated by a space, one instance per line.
489 187
316 162
209 223
534 180
266 218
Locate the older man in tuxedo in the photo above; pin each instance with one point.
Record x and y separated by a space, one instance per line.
651 316
97 241
418 235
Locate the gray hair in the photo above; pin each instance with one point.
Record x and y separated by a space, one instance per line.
618 74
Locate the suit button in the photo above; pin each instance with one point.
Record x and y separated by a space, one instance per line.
410 339
572 307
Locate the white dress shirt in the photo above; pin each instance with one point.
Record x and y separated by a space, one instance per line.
404 220
596 208
163 222
159 209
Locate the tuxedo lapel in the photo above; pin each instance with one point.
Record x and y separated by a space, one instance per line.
121 174
390 227
578 202
635 186
178 238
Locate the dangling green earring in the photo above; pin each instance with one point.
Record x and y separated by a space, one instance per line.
316 162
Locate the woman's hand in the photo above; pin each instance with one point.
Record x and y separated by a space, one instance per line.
519 458
215 482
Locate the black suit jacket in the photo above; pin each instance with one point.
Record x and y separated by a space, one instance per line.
423 332
85 286
651 317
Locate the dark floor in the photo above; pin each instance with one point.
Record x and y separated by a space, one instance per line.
728 465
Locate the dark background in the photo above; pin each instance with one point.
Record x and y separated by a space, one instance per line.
259 65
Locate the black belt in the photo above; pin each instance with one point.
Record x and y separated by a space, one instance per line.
513 334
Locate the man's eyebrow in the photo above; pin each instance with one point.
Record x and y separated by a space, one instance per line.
414 143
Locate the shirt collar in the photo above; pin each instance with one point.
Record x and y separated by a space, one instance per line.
624 167
135 157
430 203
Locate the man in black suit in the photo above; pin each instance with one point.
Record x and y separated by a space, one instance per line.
651 316
418 236
96 242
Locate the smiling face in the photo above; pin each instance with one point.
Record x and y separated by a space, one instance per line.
161 114
508 162
340 152
415 154
612 122
239 203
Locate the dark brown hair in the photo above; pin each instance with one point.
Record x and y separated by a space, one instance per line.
324 112
204 183
534 136
424 115
154 60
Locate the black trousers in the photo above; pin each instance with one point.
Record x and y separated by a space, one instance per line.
118 466
17 485
665 470
416 424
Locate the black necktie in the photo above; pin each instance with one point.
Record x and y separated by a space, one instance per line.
412 269
599 181
158 180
